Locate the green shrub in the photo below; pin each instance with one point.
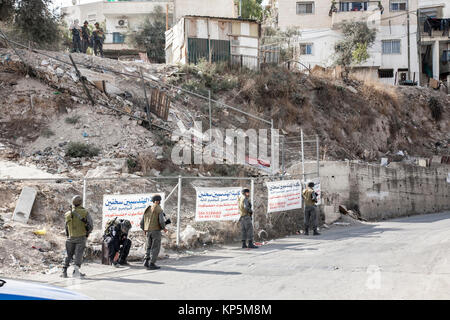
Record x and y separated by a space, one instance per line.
436 108
72 120
79 150
47 133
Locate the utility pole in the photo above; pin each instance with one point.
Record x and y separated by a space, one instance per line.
409 44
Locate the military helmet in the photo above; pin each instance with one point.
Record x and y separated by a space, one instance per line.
156 198
77 201
125 225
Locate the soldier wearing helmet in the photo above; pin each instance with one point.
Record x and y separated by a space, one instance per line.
116 237
310 197
78 225
153 222
245 208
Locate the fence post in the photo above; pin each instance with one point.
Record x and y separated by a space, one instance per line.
282 156
272 147
252 190
179 211
210 116
84 193
318 156
303 157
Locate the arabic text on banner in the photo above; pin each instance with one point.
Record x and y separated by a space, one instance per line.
127 206
317 190
215 204
284 195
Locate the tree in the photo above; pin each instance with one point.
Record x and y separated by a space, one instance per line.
35 22
358 38
151 36
251 9
6 10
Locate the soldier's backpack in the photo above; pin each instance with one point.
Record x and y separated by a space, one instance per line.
109 224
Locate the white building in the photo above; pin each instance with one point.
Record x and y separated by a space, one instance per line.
215 39
120 17
214 8
319 23
434 40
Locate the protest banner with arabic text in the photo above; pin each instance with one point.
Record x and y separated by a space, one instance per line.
127 206
284 195
217 204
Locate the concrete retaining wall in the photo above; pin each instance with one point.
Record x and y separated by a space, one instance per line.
383 192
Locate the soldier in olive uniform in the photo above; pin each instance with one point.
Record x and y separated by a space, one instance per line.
154 222
78 226
245 207
310 198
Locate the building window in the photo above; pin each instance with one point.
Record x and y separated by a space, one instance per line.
306 48
385 73
305 7
118 37
353 6
398 5
445 56
391 46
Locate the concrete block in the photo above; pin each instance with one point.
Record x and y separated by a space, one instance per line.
25 204
330 214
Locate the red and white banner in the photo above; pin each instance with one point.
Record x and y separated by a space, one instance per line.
127 206
217 204
284 195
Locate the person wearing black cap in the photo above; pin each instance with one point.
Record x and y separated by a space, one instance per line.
153 223
245 208
310 197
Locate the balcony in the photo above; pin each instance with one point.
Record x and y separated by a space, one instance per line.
435 29
346 11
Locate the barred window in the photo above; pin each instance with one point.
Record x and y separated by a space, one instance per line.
385 73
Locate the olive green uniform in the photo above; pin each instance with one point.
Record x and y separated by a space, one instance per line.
154 222
310 210
245 208
76 230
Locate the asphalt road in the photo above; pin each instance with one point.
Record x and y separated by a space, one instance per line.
398 259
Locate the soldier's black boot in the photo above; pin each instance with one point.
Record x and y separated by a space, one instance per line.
153 266
316 233
306 232
64 273
146 263
251 245
244 244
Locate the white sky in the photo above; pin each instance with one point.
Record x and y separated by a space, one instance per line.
65 3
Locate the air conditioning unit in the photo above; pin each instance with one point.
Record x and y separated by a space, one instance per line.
122 23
